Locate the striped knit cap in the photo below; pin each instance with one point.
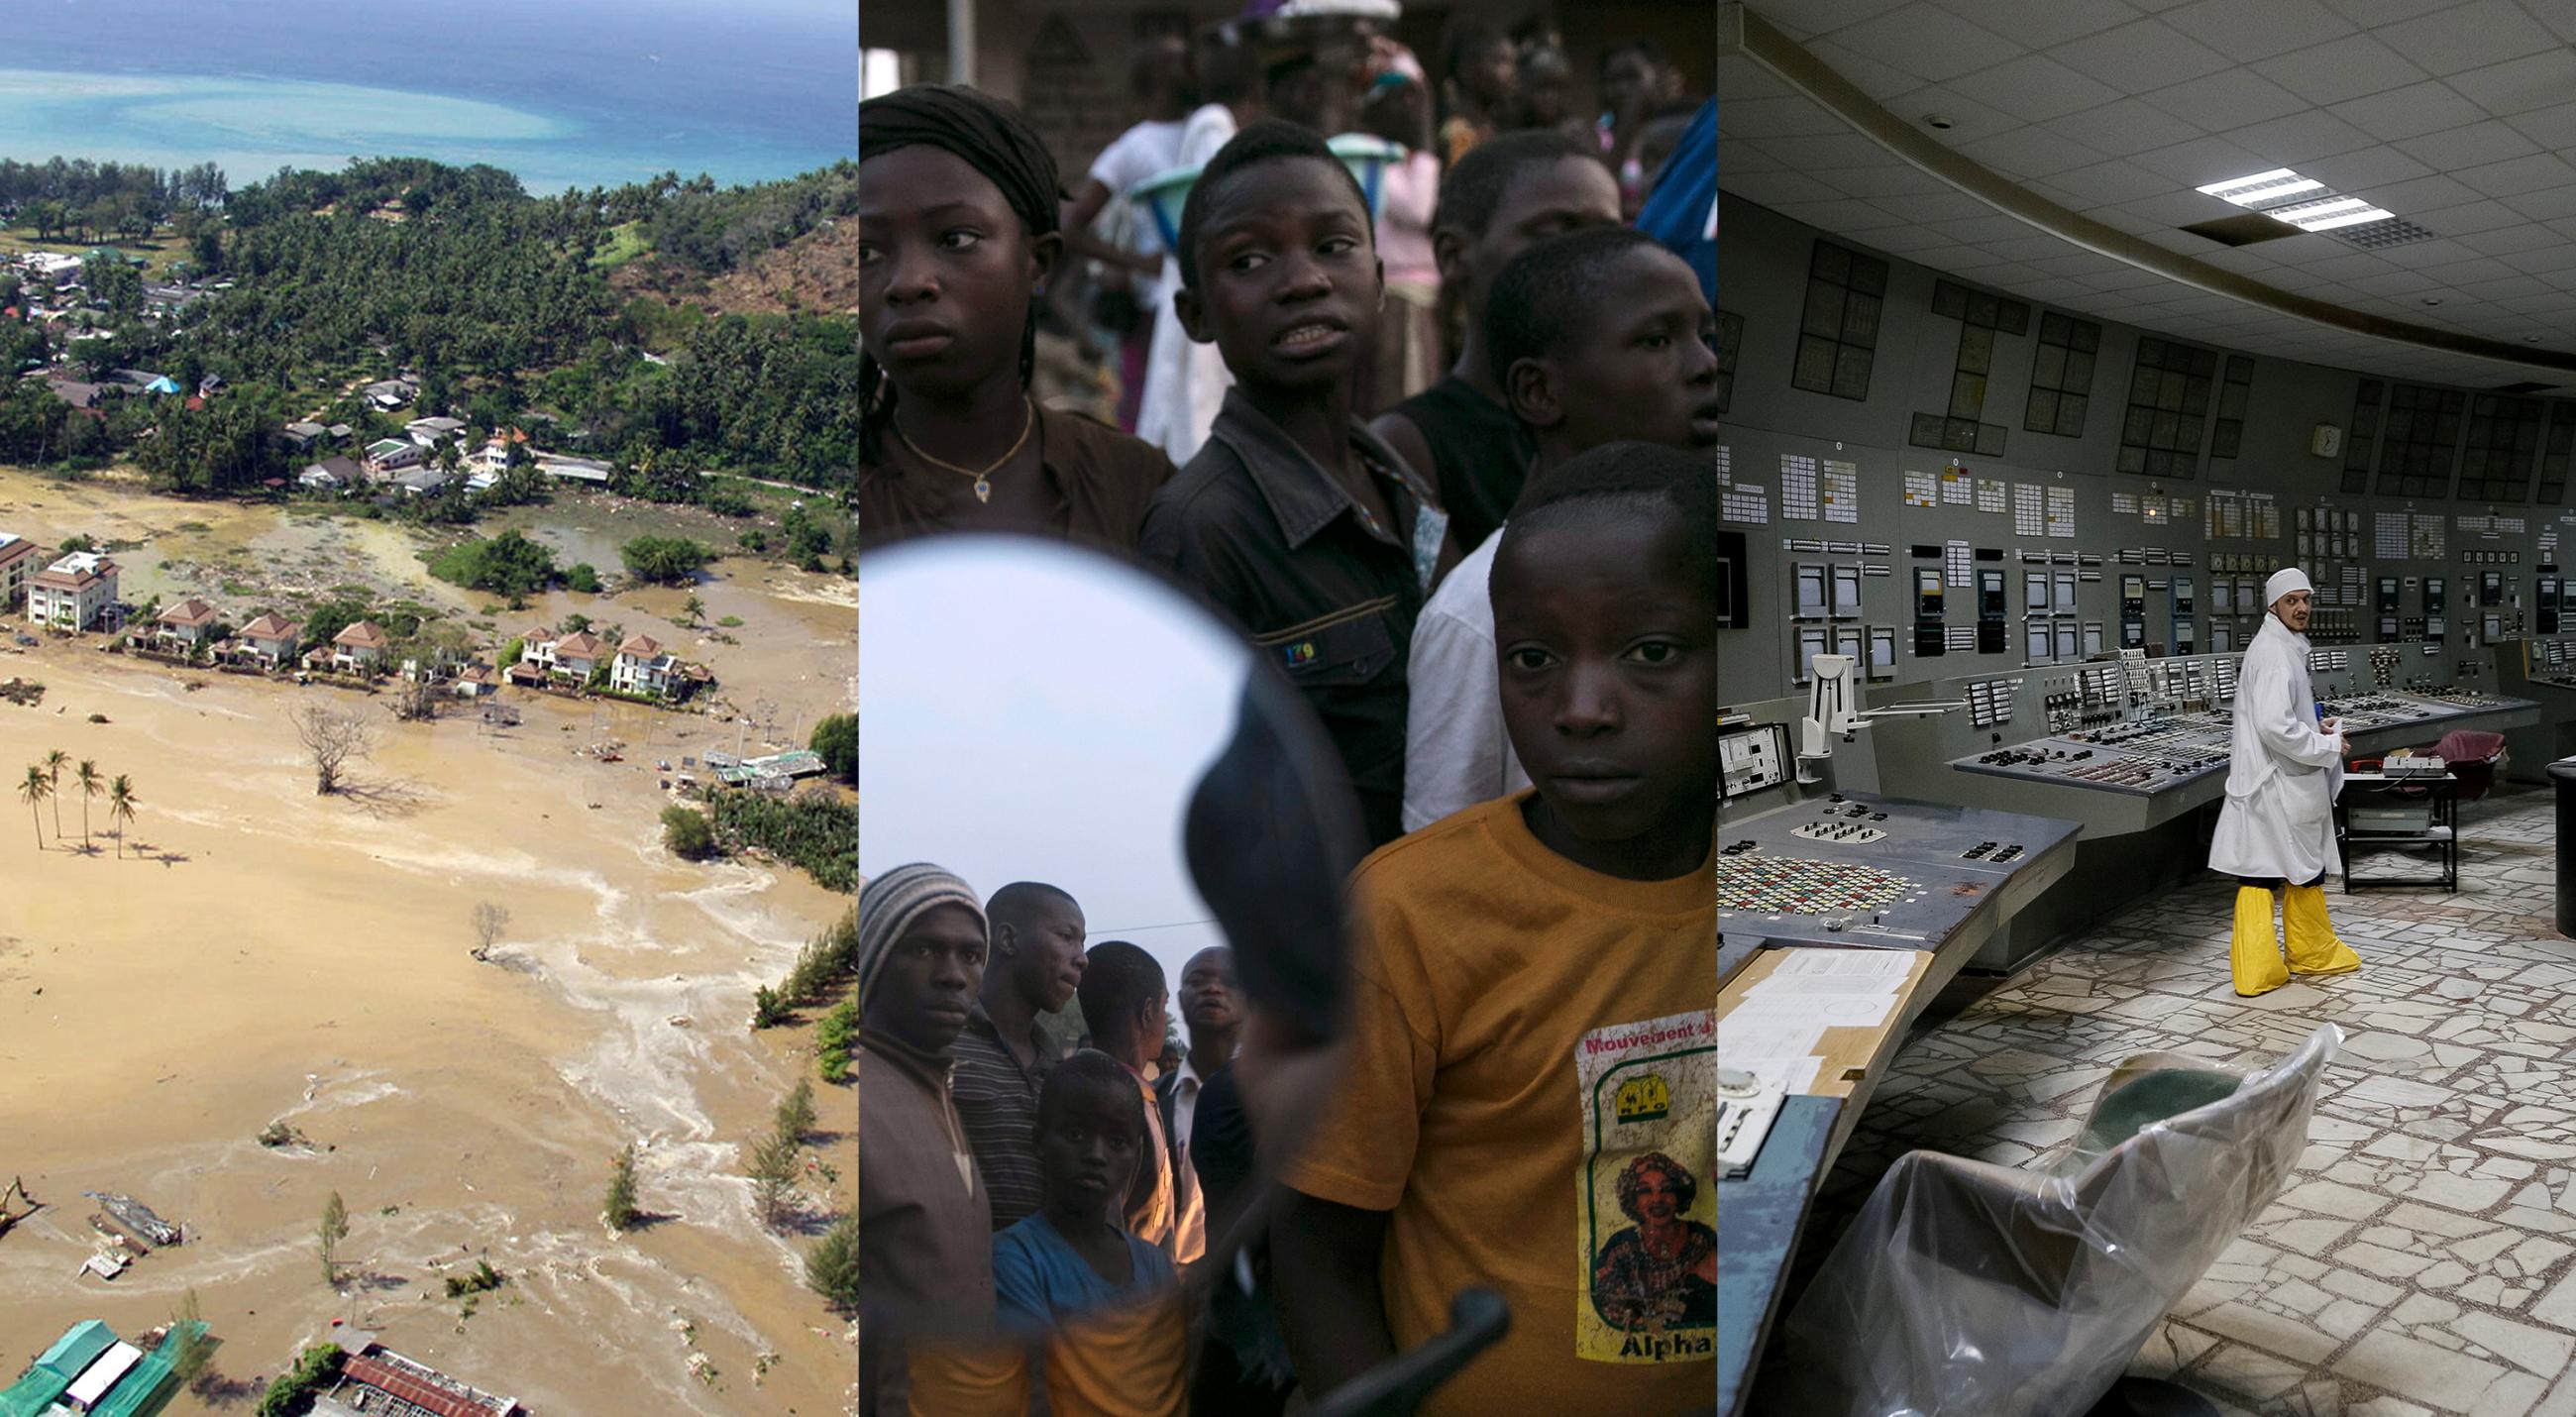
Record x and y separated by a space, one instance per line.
889 904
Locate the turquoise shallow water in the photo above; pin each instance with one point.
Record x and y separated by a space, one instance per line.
562 92
253 126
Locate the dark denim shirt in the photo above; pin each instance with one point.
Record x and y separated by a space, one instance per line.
1257 530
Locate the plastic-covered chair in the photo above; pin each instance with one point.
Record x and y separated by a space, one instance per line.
2474 758
1966 1289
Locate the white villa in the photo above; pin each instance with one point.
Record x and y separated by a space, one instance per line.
356 649
74 593
642 666
185 625
271 638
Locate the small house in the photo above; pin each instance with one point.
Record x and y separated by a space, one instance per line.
476 681
642 666
430 432
577 656
300 436
421 481
574 469
271 639
334 474
390 455
358 649
185 625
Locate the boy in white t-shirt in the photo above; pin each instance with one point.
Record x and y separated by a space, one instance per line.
1165 87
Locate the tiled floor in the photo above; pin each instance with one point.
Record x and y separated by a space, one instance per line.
2423 1259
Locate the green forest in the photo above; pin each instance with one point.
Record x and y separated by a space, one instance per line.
506 305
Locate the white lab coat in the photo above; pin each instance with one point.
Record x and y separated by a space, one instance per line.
2278 820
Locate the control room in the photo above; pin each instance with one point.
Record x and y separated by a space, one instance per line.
2146 708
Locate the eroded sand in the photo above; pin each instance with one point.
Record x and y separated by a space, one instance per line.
261 953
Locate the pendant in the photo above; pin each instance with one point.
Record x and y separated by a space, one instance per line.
984 489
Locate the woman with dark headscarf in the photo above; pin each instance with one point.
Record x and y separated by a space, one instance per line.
957 236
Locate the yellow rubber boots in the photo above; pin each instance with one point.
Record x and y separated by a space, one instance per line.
2314 947
2253 951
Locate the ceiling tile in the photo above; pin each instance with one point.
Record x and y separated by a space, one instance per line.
1735 157
2552 128
2030 152
2340 69
2036 88
1948 204
1802 18
1969 119
1874 78
1927 41
2469 36
2361 171
2129 126
2226 101
2200 162
2519 175
1773 189
2548 204
2420 194
2024 250
2476 268
2521 85
2112 182
1906 239
2472 145
2039 24
1827 150
1741 78
2512 240
1774 118
2249 32
2409 112
1893 180
1982 229
2543 260
2301 137
2469 219
2141 57
1843 217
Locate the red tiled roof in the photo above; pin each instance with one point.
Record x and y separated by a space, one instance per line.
362 635
584 645
271 626
66 581
378 1374
642 645
16 551
190 612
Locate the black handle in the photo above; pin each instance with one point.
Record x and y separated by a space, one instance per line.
1477 1319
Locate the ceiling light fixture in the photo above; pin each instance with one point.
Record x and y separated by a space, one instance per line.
1935 120
2303 202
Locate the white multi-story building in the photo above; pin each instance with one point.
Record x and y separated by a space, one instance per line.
642 666
75 593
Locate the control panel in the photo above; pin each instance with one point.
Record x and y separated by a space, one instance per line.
1750 759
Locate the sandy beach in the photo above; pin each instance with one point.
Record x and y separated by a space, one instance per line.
252 953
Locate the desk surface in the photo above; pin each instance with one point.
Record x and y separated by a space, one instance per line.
1758 1221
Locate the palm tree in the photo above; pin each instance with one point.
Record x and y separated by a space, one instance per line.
36 787
86 775
120 809
54 786
695 609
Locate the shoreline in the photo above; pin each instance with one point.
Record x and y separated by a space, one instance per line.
480 1101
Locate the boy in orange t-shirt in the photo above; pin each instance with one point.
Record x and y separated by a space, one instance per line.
1530 1099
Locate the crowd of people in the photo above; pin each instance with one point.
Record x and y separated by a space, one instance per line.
1496 594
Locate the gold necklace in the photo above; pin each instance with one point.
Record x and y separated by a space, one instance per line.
984 479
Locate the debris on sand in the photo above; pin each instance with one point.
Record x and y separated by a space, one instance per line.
136 1218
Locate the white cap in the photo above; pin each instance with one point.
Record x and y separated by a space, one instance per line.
2283 582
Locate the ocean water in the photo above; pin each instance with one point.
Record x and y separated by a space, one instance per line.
564 93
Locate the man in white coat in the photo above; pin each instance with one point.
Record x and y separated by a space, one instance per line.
2276 829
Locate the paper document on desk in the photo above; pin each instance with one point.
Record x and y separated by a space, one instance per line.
1779 1051
1823 1008
1891 969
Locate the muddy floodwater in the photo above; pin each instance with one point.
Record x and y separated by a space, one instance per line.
248 953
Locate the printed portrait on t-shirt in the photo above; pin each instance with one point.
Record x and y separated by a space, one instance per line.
1662 1271
1649 1249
